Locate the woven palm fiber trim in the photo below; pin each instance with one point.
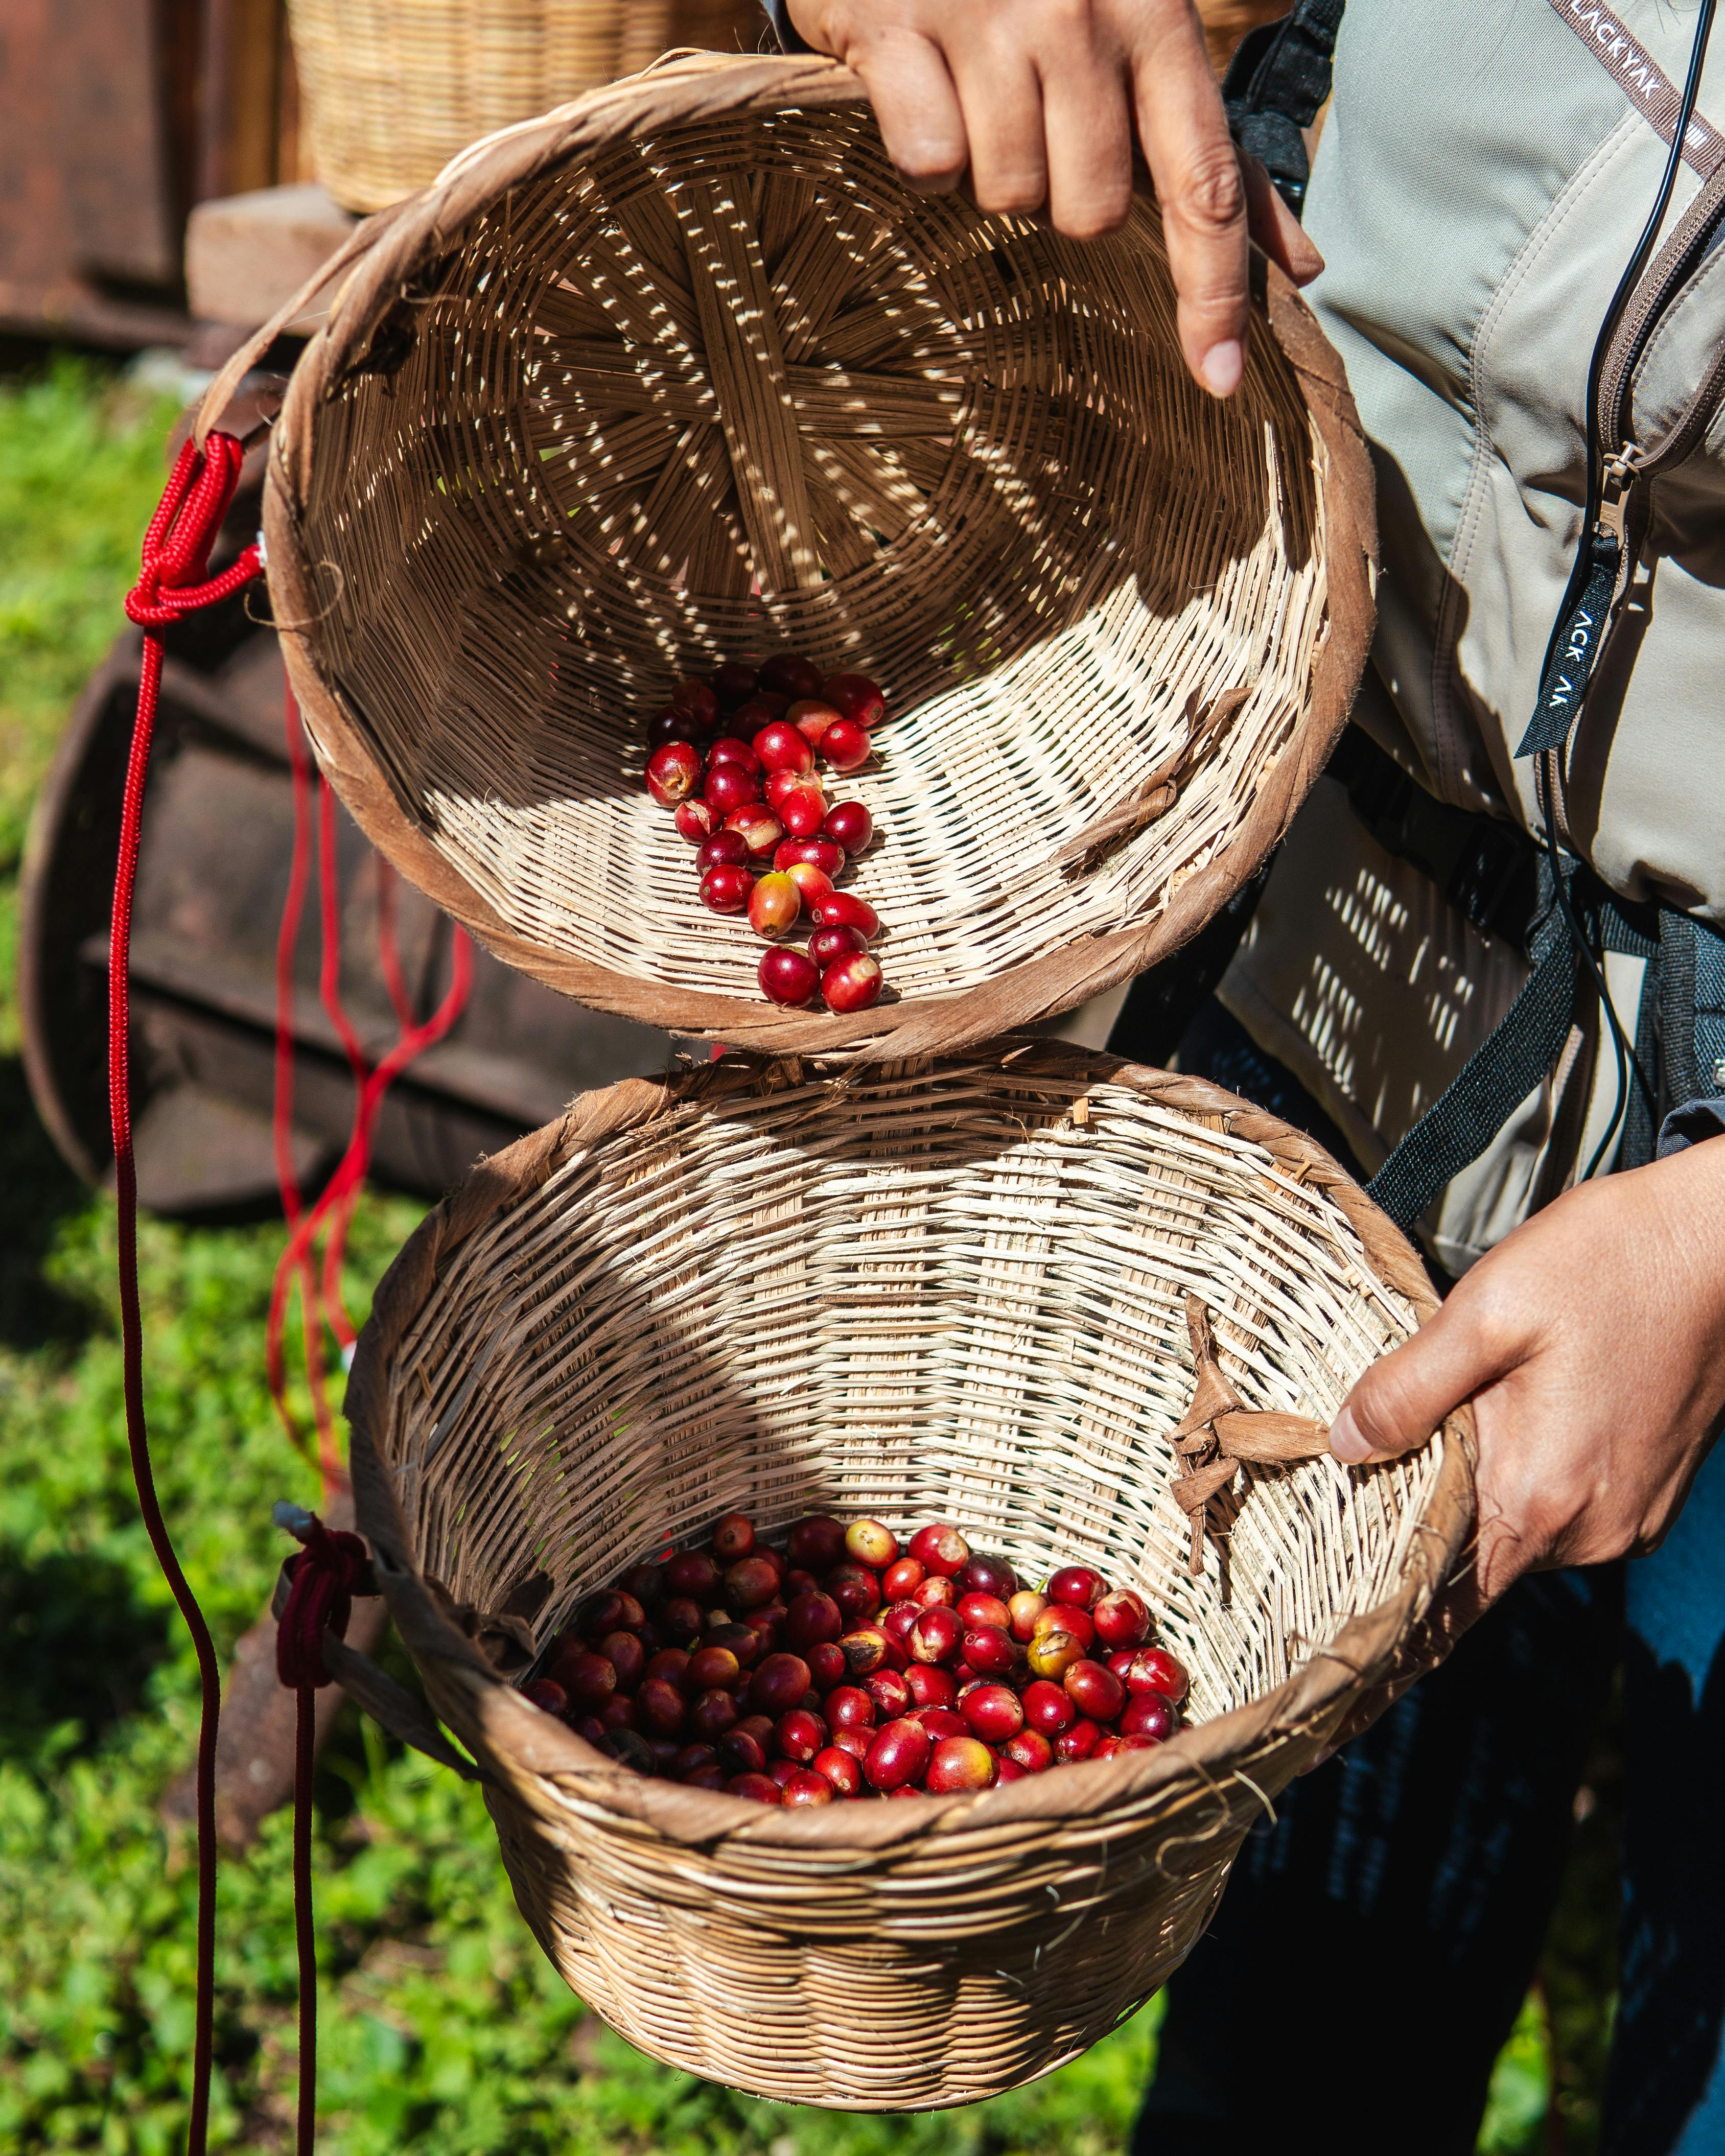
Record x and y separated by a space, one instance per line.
693 333
391 90
952 1288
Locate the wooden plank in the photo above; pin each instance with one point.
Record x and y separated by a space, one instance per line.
86 175
247 253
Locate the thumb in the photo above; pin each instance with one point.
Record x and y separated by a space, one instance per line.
1400 1400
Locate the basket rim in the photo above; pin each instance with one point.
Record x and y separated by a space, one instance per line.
519 1745
381 261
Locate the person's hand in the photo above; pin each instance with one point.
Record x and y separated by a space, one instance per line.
1591 1342
1038 100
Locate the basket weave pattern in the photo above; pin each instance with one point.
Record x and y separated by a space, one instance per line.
954 1290
683 373
393 89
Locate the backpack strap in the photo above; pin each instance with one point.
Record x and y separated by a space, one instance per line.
1680 1034
1275 85
1690 1022
1522 1048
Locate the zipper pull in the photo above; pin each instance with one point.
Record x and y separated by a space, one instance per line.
1620 477
1576 648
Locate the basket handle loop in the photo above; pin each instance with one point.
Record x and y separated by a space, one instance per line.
390 1707
217 397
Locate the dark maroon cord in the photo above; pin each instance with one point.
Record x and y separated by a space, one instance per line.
321 1589
305 1932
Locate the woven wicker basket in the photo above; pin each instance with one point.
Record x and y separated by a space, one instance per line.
955 1290
686 370
391 90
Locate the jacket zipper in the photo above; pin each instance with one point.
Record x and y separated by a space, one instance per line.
1673 268
1614 537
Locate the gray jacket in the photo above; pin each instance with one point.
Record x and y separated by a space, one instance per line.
1480 183
1482 179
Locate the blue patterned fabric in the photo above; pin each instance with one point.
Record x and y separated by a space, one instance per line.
1688 1126
1666 2093
1390 1919
779 14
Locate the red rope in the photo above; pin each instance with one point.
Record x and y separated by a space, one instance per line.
174 581
320 1298
320 1588
329 973
343 1193
287 944
388 954
288 1182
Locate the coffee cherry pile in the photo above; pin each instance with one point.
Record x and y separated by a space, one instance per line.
735 758
847 1666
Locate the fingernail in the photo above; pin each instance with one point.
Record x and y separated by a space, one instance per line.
1222 366
1346 1441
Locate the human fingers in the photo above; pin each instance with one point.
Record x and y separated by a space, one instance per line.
1000 96
1087 124
1275 226
1192 159
909 83
1401 1399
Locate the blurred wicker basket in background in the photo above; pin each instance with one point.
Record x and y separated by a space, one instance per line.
956 1290
391 90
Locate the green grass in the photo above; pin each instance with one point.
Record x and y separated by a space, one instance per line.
443 2027
80 461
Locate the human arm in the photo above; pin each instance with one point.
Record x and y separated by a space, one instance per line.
1591 1343
1040 101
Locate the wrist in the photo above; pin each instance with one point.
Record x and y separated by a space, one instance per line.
1690 1188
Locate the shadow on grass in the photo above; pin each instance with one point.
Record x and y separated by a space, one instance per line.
37 1192
77 1644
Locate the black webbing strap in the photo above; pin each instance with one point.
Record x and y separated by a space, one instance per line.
1689 1012
1524 1047
1276 85
1521 1050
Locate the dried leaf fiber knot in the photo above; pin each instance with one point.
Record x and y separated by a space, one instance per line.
1218 1431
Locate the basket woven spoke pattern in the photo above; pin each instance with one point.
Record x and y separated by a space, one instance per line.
726 384
955 1290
